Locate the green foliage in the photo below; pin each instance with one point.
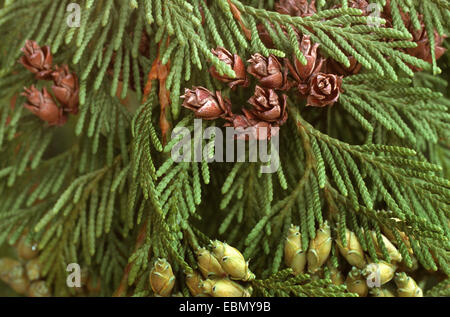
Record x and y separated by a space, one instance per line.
440 290
283 284
104 191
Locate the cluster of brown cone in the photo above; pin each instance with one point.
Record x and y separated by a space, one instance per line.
269 109
65 86
319 81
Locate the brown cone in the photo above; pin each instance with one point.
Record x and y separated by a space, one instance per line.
205 104
300 72
334 67
44 106
337 68
37 59
296 8
359 4
268 71
264 36
324 89
423 49
268 107
356 4
248 127
236 64
66 88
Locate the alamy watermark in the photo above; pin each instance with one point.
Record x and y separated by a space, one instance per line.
263 144
375 14
373 279
74 278
74 18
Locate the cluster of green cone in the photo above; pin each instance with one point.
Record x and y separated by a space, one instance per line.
24 275
380 279
222 272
